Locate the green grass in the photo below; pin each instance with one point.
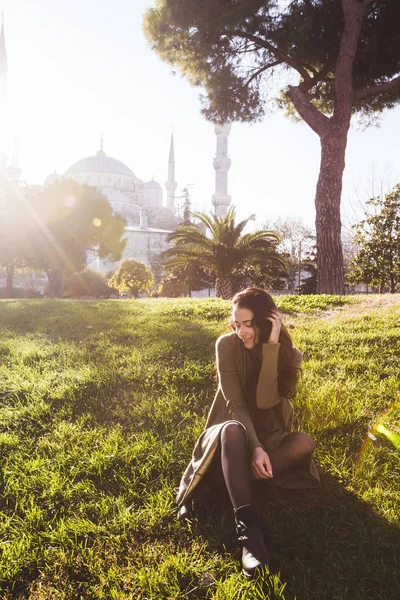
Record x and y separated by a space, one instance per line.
100 405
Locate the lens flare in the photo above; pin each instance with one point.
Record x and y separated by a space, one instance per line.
96 222
69 201
372 438
42 226
390 435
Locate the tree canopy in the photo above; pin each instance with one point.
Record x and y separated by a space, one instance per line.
69 221
55 228
232 48
322 59
377 261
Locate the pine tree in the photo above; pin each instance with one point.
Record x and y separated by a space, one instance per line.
335 57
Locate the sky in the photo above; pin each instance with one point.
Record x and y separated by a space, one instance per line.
83 68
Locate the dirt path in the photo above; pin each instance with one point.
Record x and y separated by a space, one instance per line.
364 303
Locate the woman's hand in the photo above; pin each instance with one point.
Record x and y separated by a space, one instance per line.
260 464
276 320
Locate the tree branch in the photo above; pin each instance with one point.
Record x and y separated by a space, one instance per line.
354 13
261 70
311 115
374 90
275 51
306 86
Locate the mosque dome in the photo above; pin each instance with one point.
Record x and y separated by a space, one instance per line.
152 185
101 163
52 178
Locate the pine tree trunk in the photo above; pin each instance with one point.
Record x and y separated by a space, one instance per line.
333 135
327 205
224 288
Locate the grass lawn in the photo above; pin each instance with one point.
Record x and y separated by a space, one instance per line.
100 405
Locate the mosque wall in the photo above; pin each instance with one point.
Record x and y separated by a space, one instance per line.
142 245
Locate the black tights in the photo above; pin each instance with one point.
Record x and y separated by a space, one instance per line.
233 465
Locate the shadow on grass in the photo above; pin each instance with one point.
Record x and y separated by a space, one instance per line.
122 350
129 319
67 319
327 544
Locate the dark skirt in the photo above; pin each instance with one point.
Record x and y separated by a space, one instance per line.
203 476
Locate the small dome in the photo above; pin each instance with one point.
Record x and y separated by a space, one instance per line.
152 185
53 178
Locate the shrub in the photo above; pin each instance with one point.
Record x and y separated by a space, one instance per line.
132 278
20 293
87 283
170 287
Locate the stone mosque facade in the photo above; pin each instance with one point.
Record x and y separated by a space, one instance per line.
141 203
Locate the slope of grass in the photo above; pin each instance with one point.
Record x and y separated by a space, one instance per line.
100 405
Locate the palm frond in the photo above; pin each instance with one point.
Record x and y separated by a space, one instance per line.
209 222
204 261
240 226
218 244
185 230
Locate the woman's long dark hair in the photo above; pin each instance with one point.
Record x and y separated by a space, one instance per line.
261 304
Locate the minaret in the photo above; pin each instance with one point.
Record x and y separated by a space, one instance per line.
3 96
3 66
171 184
221 200
15 171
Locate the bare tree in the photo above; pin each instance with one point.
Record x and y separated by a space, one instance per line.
297 243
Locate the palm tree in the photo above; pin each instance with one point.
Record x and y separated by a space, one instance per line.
221 248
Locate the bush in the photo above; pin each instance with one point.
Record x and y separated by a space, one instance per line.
20 293
132 278
170 287
87 283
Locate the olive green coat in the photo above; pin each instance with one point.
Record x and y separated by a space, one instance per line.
229 404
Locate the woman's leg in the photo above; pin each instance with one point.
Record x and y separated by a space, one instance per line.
235 465
295 449
229 471
250 525
231 466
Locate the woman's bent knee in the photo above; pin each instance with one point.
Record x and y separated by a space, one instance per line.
308 444
303 444
232 432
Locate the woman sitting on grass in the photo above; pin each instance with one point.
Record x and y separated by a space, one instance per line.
248 432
